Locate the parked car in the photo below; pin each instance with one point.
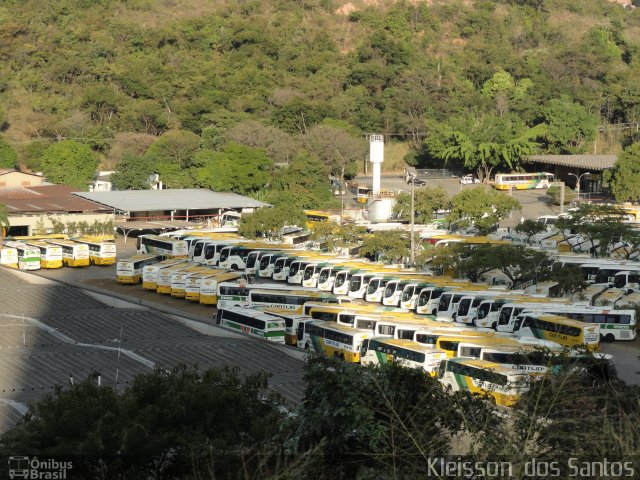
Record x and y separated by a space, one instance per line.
469 179
416 181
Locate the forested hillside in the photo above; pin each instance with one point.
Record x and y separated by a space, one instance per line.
199 90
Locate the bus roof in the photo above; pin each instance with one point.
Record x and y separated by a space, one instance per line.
405 343
339 327
558 319
484 364
141 256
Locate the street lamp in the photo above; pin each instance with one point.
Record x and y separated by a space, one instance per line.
536 273
578 178
413 256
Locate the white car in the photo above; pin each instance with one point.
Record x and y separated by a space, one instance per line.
469 179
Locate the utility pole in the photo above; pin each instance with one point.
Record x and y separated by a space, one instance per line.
413 255
561 197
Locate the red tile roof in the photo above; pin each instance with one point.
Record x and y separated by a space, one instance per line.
46 198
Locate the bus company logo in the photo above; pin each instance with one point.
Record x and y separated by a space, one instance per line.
33 468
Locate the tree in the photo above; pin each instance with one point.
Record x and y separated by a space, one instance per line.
303 183
376 421
173 155
490 142
481 208
554 193
70 163
570 126
391 246
335 236
132 173
529 228
568 281
8 156
602 225
337 148
518 263
625 175
427 201
268 222
178 423
4 221
237 168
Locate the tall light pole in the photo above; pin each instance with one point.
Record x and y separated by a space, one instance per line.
413 255
578 178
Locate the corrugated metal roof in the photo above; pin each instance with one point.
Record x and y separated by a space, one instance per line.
584 162
170 199
46 198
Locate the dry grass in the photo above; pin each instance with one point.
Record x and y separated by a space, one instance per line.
573 26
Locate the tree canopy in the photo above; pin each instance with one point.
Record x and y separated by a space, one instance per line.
625 175
481 208
70 163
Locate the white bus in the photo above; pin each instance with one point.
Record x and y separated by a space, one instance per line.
375 288
193 282
614 324
101 252
253 323
267 264
234 294
327 277
358 284
74 254
167 246
207 251
291 322
292 300
150 272
281 268
9 257
393 292
499 384
522 181
332 339
50 255
165 274
296 270
234 257
382 350
312 272
129 270
209 285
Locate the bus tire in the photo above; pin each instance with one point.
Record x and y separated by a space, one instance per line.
609 337
494 326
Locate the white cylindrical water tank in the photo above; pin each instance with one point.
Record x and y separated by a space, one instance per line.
376 157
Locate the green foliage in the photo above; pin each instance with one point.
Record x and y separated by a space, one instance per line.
601 224
132 173
182 422
519 263
569 280
4 221
8 156
625 175
571 128
237 168
70 163
426 202
390 246
303 183
334 236
32 155
554 191
481 208
490 142
530 227
268 222
375 422
469 261
339 150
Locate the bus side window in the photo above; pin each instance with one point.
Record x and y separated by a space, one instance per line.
364 347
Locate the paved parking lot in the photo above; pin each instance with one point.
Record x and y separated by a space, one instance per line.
51 332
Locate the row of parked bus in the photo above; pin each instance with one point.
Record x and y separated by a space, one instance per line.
34 253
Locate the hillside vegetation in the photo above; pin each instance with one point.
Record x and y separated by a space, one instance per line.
454 80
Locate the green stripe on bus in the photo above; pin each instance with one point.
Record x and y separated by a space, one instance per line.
382 357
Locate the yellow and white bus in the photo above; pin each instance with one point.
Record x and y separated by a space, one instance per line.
167 246
74 254
165 274
522 181
193 281
561 330
101 251
50 255
208 294
8 257
129 270
332 339
314 217
382 350
291 321
179 279
253 323
499 384
150 272
28 257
